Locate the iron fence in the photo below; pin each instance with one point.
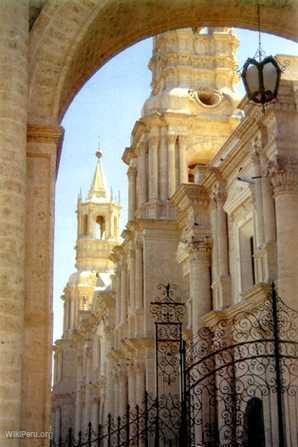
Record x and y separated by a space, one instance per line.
235 384
138 427
242 379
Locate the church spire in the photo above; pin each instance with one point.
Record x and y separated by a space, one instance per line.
98 189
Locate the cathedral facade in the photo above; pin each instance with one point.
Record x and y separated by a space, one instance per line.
211 209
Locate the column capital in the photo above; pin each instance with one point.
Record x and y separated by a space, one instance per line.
45 134
153 140
284 182
172 139
284 176
37 133
219 194
139 366
139 244
200 250
141 146
183 139
132 171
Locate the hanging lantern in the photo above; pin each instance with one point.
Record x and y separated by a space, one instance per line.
261 79
261 75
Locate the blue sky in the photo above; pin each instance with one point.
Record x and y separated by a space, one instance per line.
107 107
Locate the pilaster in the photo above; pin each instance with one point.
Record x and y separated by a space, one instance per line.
163 181
199 272
223 280
285 188
142 175
172 164
132 176
153 167
42 148
14 38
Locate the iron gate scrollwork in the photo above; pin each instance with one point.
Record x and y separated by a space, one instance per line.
242 379
234 384
168 315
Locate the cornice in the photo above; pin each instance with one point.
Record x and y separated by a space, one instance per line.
47 135
156 224
42 134
128 154
256 295
190 194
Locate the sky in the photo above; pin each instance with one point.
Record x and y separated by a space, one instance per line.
105 111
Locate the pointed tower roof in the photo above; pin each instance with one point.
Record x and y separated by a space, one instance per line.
98 189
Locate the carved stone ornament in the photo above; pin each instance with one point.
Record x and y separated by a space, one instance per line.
209 98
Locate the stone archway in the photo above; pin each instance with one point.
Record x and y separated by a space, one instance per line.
69 41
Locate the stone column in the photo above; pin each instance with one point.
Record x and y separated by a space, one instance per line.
132 388
223 255
116 395
77 309
285 185
123 391
78 399
139 300
140 383
142 175
43 145
132 279
118 293
65 323
199 277
109 390
163 180
13 118
153 168
132 176
123 298
94 412
268 211
269 231
258 199
171 164
214 232
150 371
183 162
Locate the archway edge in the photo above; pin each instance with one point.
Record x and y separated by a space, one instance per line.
72 39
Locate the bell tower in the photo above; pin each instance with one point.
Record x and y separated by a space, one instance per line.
98 224
191 111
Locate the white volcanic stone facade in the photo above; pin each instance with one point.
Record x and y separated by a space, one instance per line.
191 223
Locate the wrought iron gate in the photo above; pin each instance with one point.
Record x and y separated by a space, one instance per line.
168 314
235 384
242 379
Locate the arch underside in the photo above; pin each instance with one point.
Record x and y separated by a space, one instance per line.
71 40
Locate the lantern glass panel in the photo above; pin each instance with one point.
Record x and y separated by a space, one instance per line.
252 79
270 77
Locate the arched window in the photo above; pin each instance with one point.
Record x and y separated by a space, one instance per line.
100 230
254 430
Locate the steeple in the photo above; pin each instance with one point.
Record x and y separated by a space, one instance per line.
98 224
98 189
